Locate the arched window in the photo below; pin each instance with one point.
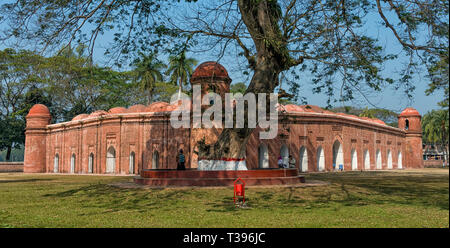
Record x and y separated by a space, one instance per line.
366 160
378 159
400 162
406 124
263 156
91 163
354 160
284 153
389 159
72 163
303 159
111 160
155 160
320 159
56 164
132 161
338 155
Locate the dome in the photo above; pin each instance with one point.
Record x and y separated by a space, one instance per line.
210 69
378 121
98 113
315 109
158 107
80 117
39 110
117 110
409 112
293 108
137 109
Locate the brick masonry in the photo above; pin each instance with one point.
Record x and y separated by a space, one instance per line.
126 141
11 166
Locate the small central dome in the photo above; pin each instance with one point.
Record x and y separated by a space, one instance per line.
210 69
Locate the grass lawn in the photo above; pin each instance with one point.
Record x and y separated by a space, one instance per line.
408 198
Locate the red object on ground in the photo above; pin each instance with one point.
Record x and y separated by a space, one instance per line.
239 189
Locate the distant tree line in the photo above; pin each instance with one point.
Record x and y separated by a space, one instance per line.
70 84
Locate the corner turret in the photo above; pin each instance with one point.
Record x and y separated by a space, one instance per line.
35 139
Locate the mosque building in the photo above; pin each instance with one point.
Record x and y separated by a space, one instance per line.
129 140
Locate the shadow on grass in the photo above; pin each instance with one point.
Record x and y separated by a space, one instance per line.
24 180
114 199
386 187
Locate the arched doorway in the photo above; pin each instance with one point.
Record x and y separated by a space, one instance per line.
366 160
132 156
303 159
155 160
284 153
378 159
338 155
56 164
400 161
389 159
263 156
111 160
72 164
320 159
354 160
91 163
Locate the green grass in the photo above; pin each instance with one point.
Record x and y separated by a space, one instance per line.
410 198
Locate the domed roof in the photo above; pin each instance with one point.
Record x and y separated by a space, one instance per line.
378 121
117 110
210 69
315 109
98 113
138 108
80 117
158 107
409 112
39 110
293 108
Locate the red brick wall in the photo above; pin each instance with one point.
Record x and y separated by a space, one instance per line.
11 166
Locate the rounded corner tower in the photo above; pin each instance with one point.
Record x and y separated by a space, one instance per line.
35 139
409 120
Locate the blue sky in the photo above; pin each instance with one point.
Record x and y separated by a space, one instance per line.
389 98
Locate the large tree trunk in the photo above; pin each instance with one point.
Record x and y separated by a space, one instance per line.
271 59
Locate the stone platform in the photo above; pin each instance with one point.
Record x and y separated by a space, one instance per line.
218 178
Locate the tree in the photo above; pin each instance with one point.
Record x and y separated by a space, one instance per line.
180 70
17 82
387 116
147 72
238 88
435 127
78 86
325 38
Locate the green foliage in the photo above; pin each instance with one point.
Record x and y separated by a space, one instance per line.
238 88
180 69
77 86
438 73
387 116
68 83
435 127
18 90
147 72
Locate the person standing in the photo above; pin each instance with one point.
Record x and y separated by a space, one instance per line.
280 162
291 162
181 161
